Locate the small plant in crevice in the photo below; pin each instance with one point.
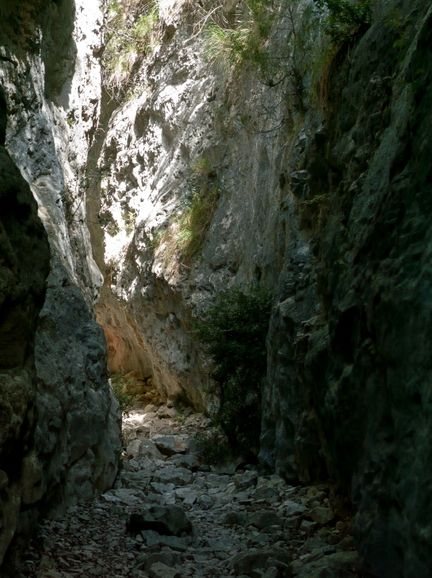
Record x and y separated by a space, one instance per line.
233 332
129 215
230 44
132 30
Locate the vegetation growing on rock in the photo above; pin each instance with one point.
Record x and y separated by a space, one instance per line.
131 33
233 331
345 18
241 39
119 385
184 236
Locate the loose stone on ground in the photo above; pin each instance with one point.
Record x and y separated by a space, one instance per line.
172 516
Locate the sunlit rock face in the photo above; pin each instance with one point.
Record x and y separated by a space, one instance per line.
59 424
184 131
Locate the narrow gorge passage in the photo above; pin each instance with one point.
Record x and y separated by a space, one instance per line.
172 516
228 203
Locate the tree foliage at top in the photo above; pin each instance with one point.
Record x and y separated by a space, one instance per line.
345 18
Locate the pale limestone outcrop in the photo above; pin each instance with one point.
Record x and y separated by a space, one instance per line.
191 130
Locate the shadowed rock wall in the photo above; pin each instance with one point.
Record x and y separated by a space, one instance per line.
23 244
59 440
349 366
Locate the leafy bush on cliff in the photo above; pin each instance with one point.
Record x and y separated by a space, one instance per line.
345 17
233 331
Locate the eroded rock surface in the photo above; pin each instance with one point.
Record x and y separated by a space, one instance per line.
322 196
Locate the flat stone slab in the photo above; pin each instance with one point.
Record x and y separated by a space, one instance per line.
170 445
173 475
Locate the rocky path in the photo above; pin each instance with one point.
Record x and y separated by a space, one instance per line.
172 516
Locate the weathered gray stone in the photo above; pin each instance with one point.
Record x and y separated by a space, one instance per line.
234 519
321 514
170 445
128 496
162 488
23 244
246 480
187 494
92 536
165 559
160 570
291 508
143 448
189 461
173 475
165 411
337 565
152 538
70 442
205 502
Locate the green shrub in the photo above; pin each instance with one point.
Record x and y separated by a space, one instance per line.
228 47
144 27
213 447
195 221
119 385
233 331
345 18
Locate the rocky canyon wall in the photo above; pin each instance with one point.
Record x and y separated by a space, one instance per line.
348 349
59 440
187 131
314 182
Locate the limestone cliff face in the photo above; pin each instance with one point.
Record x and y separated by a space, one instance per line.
193 131
59 424
320 195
